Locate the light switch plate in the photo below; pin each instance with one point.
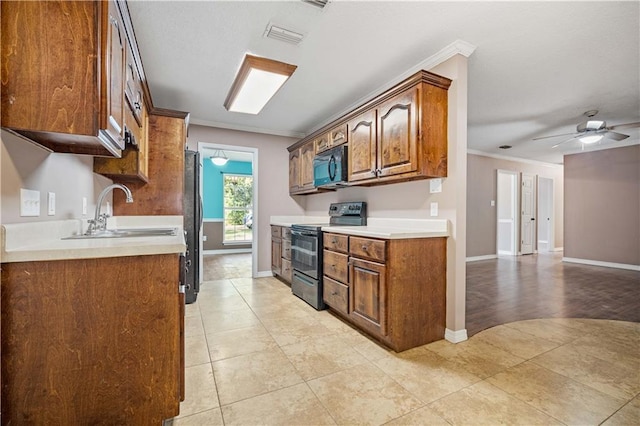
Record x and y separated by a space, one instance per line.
29 203
434 209
435 185
84 206
51 204
493 203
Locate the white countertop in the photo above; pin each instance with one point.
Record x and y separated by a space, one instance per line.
387 228
42 241
290 220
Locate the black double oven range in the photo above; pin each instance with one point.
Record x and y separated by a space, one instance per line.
307 247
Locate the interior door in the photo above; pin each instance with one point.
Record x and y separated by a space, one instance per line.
545 214
528 213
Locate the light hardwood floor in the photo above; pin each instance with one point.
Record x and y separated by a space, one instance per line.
258 355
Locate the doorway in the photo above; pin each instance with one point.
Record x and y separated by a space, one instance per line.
507 206
219 218
545 215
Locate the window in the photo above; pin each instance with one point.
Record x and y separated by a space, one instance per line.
238 208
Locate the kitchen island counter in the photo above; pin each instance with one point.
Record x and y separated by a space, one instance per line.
392 229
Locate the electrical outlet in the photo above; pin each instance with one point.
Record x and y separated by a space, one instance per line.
434 209
51 204
435 185
29 203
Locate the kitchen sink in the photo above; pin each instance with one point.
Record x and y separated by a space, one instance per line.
127 233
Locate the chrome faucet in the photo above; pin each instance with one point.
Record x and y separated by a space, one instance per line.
99 222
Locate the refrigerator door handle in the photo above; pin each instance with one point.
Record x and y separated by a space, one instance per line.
201 213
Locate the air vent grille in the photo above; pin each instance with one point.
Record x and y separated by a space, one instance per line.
317 3
278 33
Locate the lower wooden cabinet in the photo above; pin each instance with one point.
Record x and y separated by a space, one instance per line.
394 290
281 252
89 341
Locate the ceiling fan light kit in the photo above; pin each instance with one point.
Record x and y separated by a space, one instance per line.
593 131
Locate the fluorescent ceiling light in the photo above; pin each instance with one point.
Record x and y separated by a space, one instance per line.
590 138
255 84
218 158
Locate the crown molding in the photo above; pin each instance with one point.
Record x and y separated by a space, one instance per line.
250 129
516 159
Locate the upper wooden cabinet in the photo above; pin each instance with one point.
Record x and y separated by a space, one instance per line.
64 74
301 169
399 135
336 136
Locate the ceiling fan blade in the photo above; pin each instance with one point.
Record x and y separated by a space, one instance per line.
563 142
615 136
552 136
624 126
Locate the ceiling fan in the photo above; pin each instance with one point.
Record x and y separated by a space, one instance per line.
592 131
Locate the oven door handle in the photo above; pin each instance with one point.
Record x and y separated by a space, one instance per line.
303 233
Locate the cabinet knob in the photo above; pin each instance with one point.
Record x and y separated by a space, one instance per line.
365 248
334 241
333 293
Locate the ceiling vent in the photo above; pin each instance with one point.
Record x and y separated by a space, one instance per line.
317 3
278 33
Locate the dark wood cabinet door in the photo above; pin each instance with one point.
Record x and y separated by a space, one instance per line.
398 133
276 256
294 171
307 152
114 75
367 295
362 147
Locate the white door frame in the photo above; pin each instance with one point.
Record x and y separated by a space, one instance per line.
256 216
514 208
545 199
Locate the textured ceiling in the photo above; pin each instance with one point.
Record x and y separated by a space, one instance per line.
536 68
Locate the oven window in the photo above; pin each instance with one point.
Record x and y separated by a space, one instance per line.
304 250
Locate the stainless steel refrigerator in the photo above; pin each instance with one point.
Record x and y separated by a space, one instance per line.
192 223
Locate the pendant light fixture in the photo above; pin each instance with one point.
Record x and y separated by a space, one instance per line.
218 158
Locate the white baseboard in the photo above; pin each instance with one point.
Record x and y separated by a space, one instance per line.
485 257
227 251
264 274
558 249
455 336
599 263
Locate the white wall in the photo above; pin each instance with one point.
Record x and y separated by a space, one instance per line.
70 177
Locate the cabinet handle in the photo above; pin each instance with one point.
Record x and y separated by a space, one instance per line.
333 293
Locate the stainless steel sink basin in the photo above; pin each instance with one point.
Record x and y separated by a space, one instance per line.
127 233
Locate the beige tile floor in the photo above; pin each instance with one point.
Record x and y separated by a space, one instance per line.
258 355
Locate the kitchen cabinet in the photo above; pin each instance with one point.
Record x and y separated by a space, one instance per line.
163 191
335 137
287 269
63 74
134 162
281 252
88 341
301 169
276 250
398 135
394 290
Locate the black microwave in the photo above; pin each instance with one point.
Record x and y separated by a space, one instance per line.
330 168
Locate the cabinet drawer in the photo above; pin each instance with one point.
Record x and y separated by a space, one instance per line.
276 231
336 295
336 265
286 249
336 242
368 248
338 135
287 270
286 233
322 143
